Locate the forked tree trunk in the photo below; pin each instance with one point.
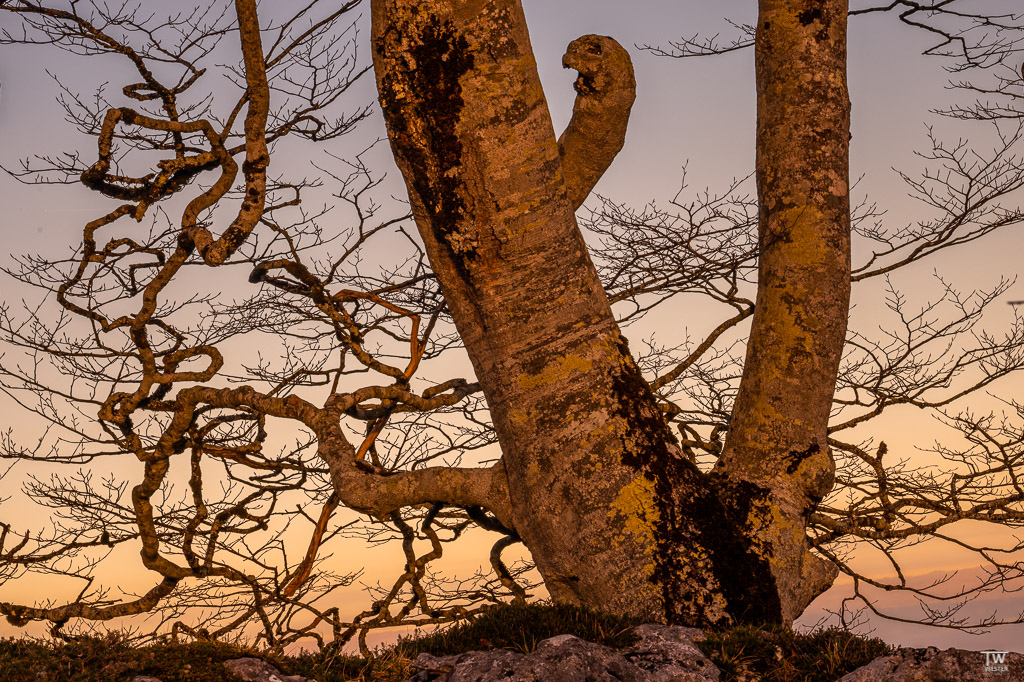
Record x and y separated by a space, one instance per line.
615 517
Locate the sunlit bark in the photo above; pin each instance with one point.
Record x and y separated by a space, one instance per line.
614 515
777 441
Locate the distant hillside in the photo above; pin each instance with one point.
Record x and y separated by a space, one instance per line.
1007 605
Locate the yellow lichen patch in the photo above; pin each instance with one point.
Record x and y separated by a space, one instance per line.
521 417
556 371
635 502
533 473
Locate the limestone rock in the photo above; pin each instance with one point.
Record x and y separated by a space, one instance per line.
663 654
933 665
256 670
668 654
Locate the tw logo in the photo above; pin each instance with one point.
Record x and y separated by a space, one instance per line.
995 661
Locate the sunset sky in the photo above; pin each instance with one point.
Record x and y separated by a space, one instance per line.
693 112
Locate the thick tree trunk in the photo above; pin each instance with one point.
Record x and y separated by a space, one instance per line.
615 516
777 437
471 132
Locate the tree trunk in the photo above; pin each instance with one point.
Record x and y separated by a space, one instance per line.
777 441
615 517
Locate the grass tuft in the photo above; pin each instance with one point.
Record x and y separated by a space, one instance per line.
774 653
108 659
519 627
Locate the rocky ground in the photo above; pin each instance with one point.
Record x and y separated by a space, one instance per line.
662 654
670 654
518 643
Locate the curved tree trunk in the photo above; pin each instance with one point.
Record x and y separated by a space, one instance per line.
615 516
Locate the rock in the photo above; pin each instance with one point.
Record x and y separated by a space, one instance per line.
663 654
932 665
144 678
668 654
565 658
257 670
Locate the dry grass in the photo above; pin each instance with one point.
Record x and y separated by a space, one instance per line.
772 654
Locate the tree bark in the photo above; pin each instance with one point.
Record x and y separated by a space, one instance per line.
471 132
605 92
777 441
615 516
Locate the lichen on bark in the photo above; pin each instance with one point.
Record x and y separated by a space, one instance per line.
615 515
711 571
424 58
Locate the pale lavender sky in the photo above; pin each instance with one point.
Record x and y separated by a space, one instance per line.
699 111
